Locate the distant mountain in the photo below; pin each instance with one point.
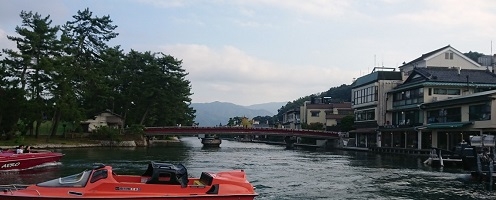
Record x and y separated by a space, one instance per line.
215 113
271 107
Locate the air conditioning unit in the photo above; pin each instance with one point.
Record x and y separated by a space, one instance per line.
434 99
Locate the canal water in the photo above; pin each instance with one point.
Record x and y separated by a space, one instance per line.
278 173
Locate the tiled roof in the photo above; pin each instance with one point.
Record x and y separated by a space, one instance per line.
451 75
448 76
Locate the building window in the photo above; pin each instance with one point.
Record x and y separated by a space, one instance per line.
409 118
480 112
315 113
365 95
408 97
365 115
444 115
448 56
444 91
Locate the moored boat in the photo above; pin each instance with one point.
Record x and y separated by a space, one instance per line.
211 141
10 160
160 181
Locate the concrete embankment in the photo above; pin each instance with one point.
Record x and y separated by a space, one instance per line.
103 143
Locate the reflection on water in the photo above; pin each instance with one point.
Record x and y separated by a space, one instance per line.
34 175
278 173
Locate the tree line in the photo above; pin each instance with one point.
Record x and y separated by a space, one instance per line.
69 73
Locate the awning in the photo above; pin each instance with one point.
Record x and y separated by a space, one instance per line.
447 125
364 130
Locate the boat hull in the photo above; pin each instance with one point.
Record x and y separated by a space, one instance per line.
135 198
161 181
211 142
10 161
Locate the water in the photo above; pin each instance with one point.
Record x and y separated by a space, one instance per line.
278 173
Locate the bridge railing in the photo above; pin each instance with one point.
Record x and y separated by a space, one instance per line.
238 130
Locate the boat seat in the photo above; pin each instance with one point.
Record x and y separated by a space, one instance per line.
206 178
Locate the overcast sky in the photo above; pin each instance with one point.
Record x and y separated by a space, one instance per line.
257 51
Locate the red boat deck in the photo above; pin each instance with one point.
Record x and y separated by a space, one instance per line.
13 161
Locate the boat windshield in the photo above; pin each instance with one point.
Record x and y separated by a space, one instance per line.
76 180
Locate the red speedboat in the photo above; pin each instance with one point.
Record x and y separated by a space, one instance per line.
9 160
161 181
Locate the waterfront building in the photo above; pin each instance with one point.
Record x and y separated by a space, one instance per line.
329 114
444 57
291 119
436 100
105 118
409 101
454 120
439 75
368 96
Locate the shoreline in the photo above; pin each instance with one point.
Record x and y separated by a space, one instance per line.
103 143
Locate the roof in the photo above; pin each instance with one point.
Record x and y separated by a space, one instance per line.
445 76
376 76
424 56
109 111
465 99
329 106
436 52
446 125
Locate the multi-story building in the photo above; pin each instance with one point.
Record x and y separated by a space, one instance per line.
453 120
336 114
443 57
291 119
368 97
438 75
328 114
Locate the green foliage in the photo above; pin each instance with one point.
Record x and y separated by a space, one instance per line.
337 94
313 126
136 129
473 55
19 139
347 123
234 121
73 75
106 133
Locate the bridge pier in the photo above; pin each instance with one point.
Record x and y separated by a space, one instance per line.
332 143
290 142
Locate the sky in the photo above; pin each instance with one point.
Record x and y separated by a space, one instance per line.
258 51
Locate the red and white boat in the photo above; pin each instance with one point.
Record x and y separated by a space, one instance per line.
161 181
10 160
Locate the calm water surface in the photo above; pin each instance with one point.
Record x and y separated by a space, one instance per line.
278 173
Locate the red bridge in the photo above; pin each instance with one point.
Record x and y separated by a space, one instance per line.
190 130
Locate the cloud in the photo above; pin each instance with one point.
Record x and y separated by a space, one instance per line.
5 43
229 74
165 3
446 14
322 8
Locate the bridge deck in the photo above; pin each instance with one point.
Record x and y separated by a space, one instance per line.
191 130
